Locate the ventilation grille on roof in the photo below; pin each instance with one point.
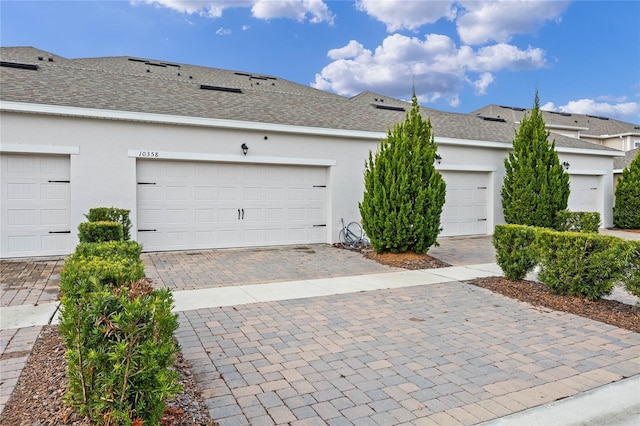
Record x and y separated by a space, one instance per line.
154 64
598 117
388 107
18 65
564 114
220 88
513 108
255 77
498 119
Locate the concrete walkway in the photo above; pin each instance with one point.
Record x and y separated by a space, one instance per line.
370 344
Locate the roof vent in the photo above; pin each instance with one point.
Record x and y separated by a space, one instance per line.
513 108
19 65
221 89
389 107
498 119
155 64
564 114
138 60
598 117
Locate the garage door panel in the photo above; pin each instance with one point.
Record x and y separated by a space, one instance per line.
585 193
466 204
32 205
215 197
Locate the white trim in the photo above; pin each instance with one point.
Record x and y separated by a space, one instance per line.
587 172
245 125
465 168
250 159
617 171
469 142
562 127
612 153
39 149
190 121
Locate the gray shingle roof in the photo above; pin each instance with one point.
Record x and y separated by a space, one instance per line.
621 163
153 86
595 125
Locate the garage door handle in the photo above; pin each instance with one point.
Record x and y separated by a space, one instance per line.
242 214
146 183
59 181
59 232
482 220
147 230
238 214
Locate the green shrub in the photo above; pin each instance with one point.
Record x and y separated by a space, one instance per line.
95 232
107 249
111 214
631 257
120 348
577 221
515 249
579 264
626 210
83 274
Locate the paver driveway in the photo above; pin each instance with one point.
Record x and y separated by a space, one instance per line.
435 354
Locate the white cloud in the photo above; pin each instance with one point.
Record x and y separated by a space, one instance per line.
438 67
313 10
411 15
245 27
627 111
482 21
223 31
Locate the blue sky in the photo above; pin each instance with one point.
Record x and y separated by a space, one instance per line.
582 56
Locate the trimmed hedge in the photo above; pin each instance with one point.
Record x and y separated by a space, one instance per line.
111 214
96 232
580 264
631 258
515 249
577 221
118 331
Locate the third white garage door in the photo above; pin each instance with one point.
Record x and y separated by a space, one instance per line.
465 210
195 205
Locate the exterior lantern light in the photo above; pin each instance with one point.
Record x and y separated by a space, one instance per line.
245 148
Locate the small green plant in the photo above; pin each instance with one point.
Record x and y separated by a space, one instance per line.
111 214
95 232
515 250
579 264
577 221
120 347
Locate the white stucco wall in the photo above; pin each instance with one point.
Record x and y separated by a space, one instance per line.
103 173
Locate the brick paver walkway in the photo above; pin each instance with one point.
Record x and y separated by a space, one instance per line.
223 268
437 354
30 281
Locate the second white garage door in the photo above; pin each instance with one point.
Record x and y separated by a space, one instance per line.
585 193
196 205
465 209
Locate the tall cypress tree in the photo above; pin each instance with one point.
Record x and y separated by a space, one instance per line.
535 186
626 211
404 193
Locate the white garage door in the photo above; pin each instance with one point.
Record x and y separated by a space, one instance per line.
193 205
585 193
35 205
465 209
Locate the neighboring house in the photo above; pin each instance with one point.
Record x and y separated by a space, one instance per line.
603 131
165 140
621 163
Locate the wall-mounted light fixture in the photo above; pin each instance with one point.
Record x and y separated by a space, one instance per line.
566 165
438 158
245 148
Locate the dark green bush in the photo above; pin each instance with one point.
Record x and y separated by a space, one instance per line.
120 347
96 232
107 249
515 249
579 264
626 210
111 214
631 256
577 221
